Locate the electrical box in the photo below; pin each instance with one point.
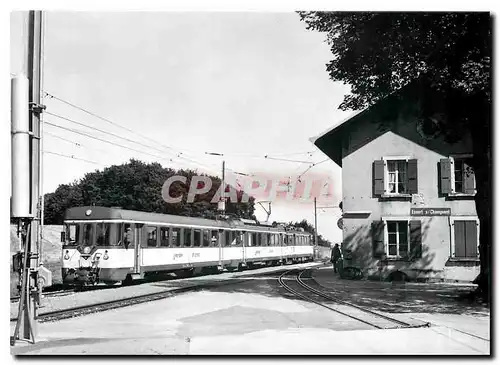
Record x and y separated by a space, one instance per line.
44 276
17 262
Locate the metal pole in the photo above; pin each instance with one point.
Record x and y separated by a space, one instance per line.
28 329
40 181
315 229
223 193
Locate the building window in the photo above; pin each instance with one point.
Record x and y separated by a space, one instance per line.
394 238
395 176
397 238
457 176
465 238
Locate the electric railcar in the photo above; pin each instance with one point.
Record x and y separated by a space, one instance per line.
110 245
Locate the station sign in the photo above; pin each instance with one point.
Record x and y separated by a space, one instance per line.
423 212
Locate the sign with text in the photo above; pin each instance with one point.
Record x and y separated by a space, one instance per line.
430 211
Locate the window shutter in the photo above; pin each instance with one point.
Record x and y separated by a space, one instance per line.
415 239
459 232
412 177
445 166
378 238
471 239
378 177
469 180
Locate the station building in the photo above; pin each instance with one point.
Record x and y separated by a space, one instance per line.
408 193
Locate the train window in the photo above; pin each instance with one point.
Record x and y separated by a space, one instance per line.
164 236
72 233
87 234
152 235
128 234
239 238
176 237
102 234
187 237
214 238
207 238
228 238
196 237
251 239
265 239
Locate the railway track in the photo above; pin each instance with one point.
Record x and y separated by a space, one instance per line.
373 319
124 302
133 300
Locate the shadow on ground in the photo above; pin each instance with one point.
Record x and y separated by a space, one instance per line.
379 296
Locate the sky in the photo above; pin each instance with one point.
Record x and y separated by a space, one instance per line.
246 85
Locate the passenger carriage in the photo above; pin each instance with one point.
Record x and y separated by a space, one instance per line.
114 245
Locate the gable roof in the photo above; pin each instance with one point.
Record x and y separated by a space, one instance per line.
332 140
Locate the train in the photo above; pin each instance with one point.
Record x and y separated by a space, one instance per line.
113 245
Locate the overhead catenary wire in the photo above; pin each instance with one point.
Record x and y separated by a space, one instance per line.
103 140
268 156
72 157
178 152
310 167
76 131
102 131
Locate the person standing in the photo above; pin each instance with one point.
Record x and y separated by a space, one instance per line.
336 255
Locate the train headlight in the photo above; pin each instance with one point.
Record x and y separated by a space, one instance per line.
66 256
105 257
86 250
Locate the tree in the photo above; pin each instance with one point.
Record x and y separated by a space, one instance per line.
138 186
379 53
309 228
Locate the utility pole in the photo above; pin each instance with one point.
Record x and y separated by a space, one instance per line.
29 220
222 201
315 230
223 193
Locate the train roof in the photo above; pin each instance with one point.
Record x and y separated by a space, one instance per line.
107 213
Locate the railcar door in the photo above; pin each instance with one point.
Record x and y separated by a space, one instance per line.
137 247
220 237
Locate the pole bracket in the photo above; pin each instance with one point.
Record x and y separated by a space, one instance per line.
37 108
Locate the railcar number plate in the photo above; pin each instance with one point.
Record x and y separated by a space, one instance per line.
85 263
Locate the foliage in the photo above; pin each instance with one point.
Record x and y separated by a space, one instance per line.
379 53
138 186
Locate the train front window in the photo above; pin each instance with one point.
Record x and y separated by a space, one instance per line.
102 234
72 232
87 234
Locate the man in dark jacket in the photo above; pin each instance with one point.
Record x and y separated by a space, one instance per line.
336 255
